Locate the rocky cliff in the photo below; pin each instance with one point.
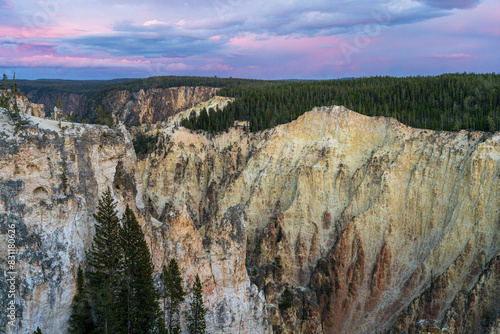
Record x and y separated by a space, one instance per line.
52 216
153 105
372 225
51 177
25 105
358 215
143 106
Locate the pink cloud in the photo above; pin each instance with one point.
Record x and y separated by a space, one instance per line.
215 67
450 56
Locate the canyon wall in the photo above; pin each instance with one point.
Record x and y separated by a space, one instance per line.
51 177
371 225
152 105
144 106
358 215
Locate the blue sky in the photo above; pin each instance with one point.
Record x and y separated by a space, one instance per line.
279 39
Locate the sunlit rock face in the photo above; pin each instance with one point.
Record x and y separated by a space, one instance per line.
362 213
25 105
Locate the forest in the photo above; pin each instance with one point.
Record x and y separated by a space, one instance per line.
447 102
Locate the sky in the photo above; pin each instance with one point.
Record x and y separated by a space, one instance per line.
265 39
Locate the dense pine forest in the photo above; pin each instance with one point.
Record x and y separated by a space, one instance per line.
448 102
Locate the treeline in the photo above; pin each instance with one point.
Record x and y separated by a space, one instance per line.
178 81
116 293
447 102
213 120
50 86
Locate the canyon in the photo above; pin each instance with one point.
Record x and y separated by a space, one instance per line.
372 225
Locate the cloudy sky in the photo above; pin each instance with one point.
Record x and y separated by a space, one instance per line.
275 39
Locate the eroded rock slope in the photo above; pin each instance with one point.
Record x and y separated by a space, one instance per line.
51 177
359 214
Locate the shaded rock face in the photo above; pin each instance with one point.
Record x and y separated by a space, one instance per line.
52 218
233 304
363 213
473 311
154 105
72 102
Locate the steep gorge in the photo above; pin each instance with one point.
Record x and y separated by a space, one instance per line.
371 224
360 214
130 107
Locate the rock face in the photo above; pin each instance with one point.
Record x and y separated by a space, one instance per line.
144 106
359 214
26 106
372 225
233 304
53 218
54 226
154 105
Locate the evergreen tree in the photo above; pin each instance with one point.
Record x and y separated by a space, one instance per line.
38 331
80 321
173 295
139 296
103 118
286 299
5 83
14 85
105 260
196 317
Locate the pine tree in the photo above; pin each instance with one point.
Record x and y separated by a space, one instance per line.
105 260
101 116
80 321
139 296
38 331
5 83
173 295
286 299
196 317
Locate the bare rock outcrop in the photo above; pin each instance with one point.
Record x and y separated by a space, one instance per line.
26 106
52 214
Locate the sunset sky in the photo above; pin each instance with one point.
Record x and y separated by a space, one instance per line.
275 39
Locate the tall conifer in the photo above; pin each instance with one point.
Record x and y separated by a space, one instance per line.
173 295
105 260
80 321
139 296
196 317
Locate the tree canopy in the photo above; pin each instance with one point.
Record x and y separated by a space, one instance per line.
446 102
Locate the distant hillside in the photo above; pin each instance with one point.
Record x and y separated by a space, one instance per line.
82 97
447 102
73 93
